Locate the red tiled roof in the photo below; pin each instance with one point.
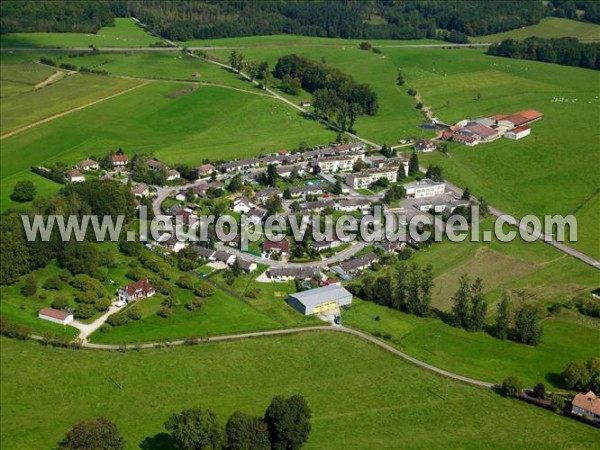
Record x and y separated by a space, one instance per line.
481 130
331 281
588 401
119 158
498 116
463 138
283 245
54 313
74 173
143 285
529 114
519 129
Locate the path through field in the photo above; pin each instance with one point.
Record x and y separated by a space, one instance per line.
51 79
69 111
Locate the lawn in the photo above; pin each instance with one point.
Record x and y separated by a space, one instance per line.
392 403
210 122
479 355
549 27
125 33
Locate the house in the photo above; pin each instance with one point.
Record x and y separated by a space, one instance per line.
256 214
353 204
464 139
367 177
305 103
119 160
172 243
424 188
246 266
75 176
391 246
319 205
140 190
242 205
518 133
224 257
282 247
88 164
425 146
55 315
156 165
292 273
204 253
303 191
326 244
286 171
239 165
205 169
267 192
320 299
586 405
173 174
331 281
359 263
136 291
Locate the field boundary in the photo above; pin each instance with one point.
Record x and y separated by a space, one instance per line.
68 111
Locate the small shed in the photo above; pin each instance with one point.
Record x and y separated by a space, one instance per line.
320 299
56 316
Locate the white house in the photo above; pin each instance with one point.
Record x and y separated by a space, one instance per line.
242 205
424 188
173 174
119 160
518 133
425 146
140 190
88 164
55 315
75 176
136 291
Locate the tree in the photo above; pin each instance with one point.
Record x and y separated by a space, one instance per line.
528 329
400 79
466 194
195 428
235 184
288 422
273 205
337 187
271 179
539 390
583 375
426 286
24 191
365 46
291 85
244 432
460 308
236 60
204 290
30 286
478 306
413 164
512 387
96 434
435 173
60 302
503 315
287 194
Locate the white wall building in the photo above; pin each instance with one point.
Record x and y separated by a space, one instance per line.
56 316
425 188
367 177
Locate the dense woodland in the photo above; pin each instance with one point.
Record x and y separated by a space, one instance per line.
361 19
565 51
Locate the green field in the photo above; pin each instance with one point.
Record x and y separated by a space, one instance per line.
17 77
125 33
211 122
549 27
361 396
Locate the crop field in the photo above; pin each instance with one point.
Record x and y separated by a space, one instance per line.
139 390
210 122
125 33
20 77
549 27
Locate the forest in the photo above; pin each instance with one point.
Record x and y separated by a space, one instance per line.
369 19
565 51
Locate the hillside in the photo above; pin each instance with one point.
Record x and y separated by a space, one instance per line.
549 27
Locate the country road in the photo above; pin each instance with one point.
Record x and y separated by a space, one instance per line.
341 329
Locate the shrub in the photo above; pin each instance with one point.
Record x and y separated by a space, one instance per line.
186 281
24 191
60 302
134 313
539 390
165 312
14 330
105 328
117 319
52 283
102 304
204 290
84 311
30 286
512 387
412 92
194 304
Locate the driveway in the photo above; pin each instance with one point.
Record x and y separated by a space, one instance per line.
85 329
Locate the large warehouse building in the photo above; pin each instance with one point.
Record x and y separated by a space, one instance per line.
320 299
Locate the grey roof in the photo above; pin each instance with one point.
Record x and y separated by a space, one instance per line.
297 272
361 261
244 264
317 296
268 191
307 189
222 256
203 252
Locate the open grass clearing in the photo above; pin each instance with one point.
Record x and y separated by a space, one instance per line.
392 402
549 28
124 33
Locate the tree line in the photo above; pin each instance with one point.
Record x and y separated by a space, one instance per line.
284 425
564 51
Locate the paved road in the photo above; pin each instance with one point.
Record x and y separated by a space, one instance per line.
286 331
338 257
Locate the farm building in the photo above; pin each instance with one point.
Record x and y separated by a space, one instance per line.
320 299
55 315
587 405
518 133
478 131
136 291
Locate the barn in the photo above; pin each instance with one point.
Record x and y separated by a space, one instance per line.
320 299
56 316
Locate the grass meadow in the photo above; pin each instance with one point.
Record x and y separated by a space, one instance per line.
124 33
360 395
550 28
17 77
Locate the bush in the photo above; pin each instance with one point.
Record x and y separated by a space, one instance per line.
194 304
102 304
24 191
412 92
253 292
30 286
14 330
105 328
512 387
53 283
60 302
365 46
539 390
84 311
165 312
118 319
186 281
204 290
134 313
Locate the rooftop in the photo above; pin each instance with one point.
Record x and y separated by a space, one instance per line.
317 296
54 313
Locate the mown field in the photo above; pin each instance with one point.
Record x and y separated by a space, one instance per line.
391 404
549 27
125 33
210 122
17 77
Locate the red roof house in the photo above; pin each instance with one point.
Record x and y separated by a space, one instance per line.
135 291
282 247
